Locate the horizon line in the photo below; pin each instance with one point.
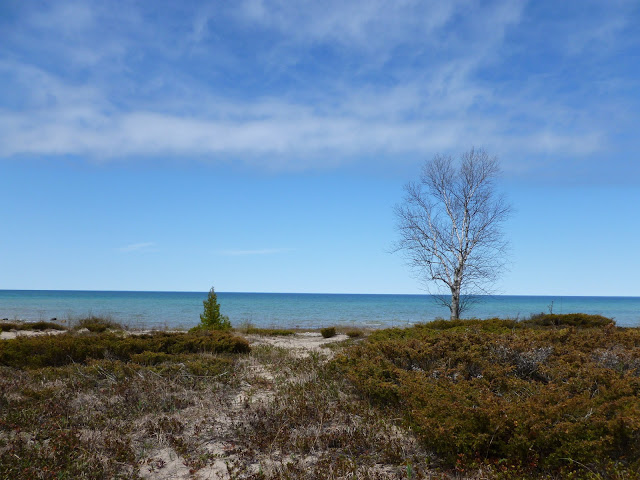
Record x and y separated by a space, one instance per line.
307 293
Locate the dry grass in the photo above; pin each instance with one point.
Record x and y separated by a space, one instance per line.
102 415
272 413
302 420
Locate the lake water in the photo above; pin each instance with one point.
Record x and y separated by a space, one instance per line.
182 309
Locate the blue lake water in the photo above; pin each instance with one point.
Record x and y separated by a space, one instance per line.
182 309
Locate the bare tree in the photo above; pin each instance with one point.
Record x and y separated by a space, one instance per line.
450 227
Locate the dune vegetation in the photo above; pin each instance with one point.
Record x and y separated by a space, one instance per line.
551 397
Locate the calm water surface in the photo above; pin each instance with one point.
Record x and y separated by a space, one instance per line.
182 309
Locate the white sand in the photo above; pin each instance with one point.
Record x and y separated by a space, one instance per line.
303 342
28 333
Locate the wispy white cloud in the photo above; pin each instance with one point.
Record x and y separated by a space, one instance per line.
318 85
138 247
369 25
285 135
262 251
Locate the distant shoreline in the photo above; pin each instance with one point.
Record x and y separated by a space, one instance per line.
49 290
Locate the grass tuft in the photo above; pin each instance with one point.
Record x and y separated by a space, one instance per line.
97 324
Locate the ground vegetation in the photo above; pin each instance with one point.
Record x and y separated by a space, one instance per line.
548 397
551 397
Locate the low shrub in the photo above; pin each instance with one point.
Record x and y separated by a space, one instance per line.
489 324
194 363
354 333
37 352
536 401
153 358
268 332
328 332
97 324
41 325
202 366
500 325
581 320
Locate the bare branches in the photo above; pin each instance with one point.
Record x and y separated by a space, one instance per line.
450 226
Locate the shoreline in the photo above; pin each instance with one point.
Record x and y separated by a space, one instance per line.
276 310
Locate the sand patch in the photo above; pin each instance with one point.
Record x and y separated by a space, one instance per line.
299 344
28 333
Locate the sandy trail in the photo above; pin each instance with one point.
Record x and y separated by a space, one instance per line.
165 463
300 343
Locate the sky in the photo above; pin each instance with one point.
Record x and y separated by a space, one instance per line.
260 146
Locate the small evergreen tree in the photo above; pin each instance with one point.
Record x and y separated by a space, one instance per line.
211 318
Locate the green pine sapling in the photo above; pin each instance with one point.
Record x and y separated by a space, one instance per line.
211 319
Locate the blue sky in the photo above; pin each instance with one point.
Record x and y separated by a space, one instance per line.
261 145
